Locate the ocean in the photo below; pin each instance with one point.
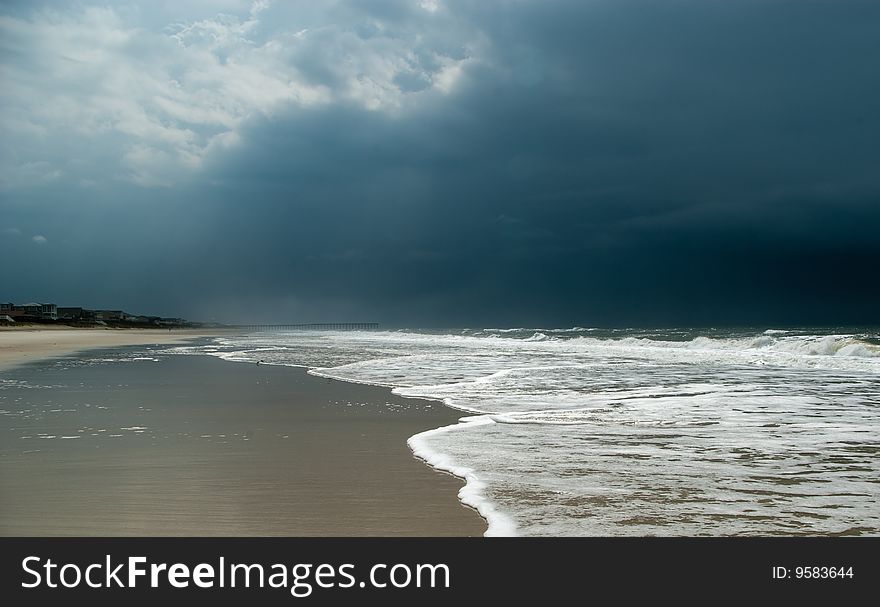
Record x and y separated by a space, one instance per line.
598 432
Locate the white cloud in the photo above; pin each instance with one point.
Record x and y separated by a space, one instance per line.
39 239
430 5
162 99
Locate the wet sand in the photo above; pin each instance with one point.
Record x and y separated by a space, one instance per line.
193 445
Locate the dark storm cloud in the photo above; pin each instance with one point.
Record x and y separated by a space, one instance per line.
597 163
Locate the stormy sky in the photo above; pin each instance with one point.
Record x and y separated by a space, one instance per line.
445 162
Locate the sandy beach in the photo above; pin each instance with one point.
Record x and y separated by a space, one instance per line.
193 445
30 343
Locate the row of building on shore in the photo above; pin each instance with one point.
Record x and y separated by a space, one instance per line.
49 313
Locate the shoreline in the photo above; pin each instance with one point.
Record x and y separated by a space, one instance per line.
21 345
498 524
347 434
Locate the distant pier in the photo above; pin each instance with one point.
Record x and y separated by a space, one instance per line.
321 326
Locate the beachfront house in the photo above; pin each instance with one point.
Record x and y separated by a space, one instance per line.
42 311
11 310
75 313
105 315
69 313
30 311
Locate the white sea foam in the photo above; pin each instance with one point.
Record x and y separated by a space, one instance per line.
473 492
538 336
